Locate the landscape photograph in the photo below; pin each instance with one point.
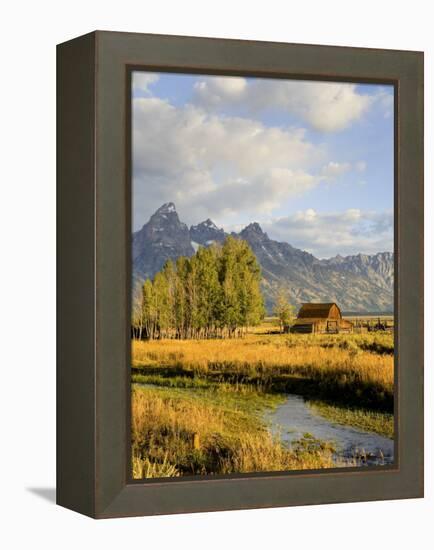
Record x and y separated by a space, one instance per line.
262 292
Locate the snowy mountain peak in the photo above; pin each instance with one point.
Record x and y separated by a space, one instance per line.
166 208
362 283
206 232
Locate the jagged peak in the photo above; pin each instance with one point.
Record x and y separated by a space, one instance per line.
361 256
166 208
207 224
255 228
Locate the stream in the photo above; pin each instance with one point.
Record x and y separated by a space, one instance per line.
294 418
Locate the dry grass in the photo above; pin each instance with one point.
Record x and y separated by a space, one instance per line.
206 415
230 438
253 355
335 364
143 468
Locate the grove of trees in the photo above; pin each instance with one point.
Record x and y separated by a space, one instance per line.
214 294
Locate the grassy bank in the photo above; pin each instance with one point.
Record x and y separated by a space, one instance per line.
381 423
203 411
351 369
218 430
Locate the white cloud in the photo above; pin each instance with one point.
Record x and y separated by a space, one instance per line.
324 234
326 106
141 81
335 169
236 169
217 89
384 98
215 166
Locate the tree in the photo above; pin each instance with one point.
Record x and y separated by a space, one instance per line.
214 292
209 291
170 284
283 309
148 320
136 319
181 306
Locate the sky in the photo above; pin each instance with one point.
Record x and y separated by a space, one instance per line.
310 161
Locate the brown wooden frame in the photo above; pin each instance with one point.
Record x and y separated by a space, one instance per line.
93 176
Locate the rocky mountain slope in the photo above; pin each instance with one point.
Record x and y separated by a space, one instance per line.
206 233
164 237
359 283
378 268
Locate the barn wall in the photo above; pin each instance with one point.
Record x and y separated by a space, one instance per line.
334 312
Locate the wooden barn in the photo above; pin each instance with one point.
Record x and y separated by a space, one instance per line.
321 318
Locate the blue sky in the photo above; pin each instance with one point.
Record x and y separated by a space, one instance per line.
312 162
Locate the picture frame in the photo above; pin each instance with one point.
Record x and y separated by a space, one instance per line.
94 236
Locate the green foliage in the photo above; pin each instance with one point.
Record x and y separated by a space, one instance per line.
216 293
372 421
283 310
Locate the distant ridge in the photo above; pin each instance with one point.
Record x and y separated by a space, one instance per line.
359 283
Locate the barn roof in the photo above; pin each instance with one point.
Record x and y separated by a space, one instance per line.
316 311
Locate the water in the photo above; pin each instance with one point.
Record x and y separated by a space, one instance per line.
294 418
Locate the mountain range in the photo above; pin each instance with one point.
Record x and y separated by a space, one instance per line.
359 283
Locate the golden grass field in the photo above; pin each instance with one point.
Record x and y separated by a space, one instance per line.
198 405
230 437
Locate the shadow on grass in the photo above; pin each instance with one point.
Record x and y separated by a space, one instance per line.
331 388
